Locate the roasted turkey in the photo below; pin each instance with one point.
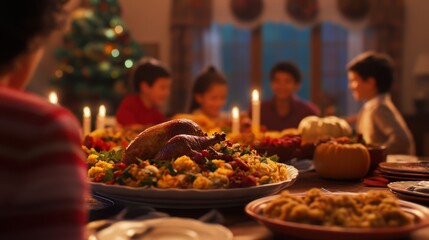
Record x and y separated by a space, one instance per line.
188 145
150 141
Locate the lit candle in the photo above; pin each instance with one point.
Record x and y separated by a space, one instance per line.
86 122
256 112
235 120
101 117
53 98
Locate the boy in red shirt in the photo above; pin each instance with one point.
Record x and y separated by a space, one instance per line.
152 83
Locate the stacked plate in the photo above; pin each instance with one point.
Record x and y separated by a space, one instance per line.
404 171
401 158
415 191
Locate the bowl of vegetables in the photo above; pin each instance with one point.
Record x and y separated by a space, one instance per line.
286 147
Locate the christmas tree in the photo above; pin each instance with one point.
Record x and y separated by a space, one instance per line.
95 58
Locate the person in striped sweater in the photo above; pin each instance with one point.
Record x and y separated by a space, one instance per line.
42 173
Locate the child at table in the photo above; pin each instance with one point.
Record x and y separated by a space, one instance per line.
285 109
370 77
209 95
151 82
42 174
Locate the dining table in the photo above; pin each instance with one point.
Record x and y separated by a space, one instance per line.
244 227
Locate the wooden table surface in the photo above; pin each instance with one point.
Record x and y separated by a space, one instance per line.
245 228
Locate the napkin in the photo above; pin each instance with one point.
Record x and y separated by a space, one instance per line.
375 181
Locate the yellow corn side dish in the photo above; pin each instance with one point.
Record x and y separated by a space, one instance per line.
185 173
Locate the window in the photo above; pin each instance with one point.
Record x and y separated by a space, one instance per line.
284 42
321 52
334 83
235 63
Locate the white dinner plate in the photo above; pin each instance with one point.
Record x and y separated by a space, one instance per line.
410 167
165 229
192 198
401 187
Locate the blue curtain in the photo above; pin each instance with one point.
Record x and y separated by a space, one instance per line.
235 63
333 65
284 42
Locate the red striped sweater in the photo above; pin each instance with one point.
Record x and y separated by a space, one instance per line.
42 172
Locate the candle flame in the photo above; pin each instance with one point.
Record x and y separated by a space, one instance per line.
102 111
53 98
255 95
235 113
86 112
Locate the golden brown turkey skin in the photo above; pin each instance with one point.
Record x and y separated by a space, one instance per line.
188 145
149 142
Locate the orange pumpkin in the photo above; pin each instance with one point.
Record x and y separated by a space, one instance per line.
341 161
312 128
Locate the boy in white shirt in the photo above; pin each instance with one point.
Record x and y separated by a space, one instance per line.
370 77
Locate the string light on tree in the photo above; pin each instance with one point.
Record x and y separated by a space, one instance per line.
115 52
109 33
104 66
129 63
119 29
58 73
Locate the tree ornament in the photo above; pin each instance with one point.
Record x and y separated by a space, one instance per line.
247 10
108 47
354 10
58 73
303 10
